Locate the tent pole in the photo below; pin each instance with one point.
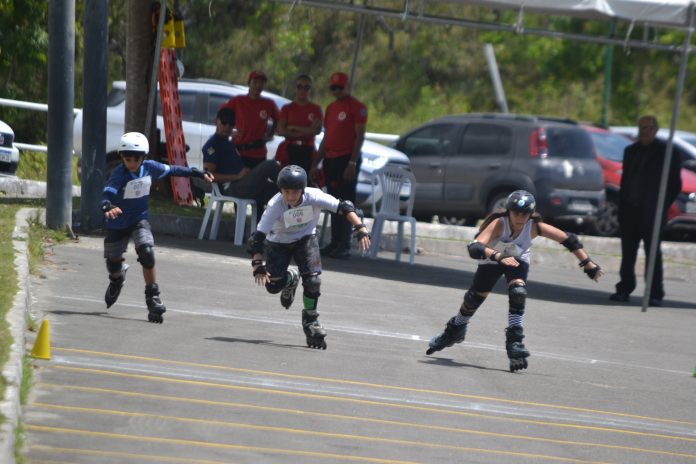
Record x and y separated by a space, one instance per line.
657 224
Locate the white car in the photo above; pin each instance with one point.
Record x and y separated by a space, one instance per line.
200 100
9 154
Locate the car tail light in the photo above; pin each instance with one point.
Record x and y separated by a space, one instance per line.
556 201
538 147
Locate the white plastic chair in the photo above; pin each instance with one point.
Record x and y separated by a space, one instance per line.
217 200
396 184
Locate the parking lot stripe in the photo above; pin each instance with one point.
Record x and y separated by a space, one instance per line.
160 361
325 397
39 428
349 418
118 454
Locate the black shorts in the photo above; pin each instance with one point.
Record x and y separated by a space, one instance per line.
116 240
488 274
305 252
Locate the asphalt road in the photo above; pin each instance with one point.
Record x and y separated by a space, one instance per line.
228 378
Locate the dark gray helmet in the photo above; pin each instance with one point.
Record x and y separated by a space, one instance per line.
521 201
292 177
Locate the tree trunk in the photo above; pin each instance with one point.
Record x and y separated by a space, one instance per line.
139 49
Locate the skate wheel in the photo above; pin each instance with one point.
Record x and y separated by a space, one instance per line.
316 344
518 364
155 318
430 350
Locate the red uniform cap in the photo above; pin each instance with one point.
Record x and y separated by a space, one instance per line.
339 78
257 75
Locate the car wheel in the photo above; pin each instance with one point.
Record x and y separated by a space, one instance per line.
498 202
607 222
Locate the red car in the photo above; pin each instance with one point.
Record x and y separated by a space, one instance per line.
681 216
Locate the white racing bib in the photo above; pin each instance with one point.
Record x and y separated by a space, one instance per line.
137 188
296 218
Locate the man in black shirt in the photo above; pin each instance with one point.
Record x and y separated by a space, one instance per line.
640 184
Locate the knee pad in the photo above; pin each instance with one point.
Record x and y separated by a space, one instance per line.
472 301
114 266
312 285
275 286
517 296
146 256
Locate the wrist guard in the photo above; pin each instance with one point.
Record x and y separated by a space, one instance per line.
106 206
361 232
195 172
591 273
258 266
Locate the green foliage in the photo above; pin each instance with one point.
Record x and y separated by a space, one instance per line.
32 166
408 71
8 283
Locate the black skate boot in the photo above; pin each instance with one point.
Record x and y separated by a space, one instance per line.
451 335
287 296
154 304
516 350
313 330
114 288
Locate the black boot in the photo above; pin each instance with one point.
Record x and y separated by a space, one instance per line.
154 304
313 330
516 350
451 335
114 288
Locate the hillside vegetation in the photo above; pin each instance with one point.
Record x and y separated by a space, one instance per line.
408 72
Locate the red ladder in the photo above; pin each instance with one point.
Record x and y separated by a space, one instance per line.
173 130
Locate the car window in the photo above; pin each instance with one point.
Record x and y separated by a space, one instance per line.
215 101
569 143
486 139
187 102
115 97
610 146
435 139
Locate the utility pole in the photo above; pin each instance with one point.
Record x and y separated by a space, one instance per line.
61 101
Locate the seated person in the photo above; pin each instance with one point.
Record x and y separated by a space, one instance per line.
221 158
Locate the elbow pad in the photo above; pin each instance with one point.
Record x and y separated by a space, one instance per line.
477 250
345 207
255 243
571 243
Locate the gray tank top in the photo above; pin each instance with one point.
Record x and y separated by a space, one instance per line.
517 247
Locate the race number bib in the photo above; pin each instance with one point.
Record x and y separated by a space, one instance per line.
295 218
137 188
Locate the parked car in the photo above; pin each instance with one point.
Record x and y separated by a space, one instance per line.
9 154
467 165
199 100
681 215
683 142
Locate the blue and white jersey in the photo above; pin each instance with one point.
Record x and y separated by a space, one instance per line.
284 224
130 191
519 247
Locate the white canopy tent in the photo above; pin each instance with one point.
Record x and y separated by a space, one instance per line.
651 14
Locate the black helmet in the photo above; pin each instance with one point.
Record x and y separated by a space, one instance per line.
292 177
521 201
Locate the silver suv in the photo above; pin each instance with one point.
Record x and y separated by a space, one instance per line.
467 165
200 99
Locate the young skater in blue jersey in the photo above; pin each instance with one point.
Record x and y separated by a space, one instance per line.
502 247
125 206
287 230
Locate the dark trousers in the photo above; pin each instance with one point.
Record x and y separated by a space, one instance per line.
259 184
300 155
636 225
339 188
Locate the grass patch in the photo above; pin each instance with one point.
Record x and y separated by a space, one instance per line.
32 166
39 238
8 284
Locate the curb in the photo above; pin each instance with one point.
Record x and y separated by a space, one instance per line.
16 318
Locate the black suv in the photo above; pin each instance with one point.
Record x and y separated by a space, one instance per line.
467 165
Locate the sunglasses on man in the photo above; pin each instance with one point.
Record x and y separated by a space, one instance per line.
303 87
335 88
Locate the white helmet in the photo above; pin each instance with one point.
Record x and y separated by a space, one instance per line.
134 142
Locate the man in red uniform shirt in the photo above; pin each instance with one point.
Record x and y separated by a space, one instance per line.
299 122
344 123
253 113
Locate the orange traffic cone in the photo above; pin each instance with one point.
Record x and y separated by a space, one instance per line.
42 345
